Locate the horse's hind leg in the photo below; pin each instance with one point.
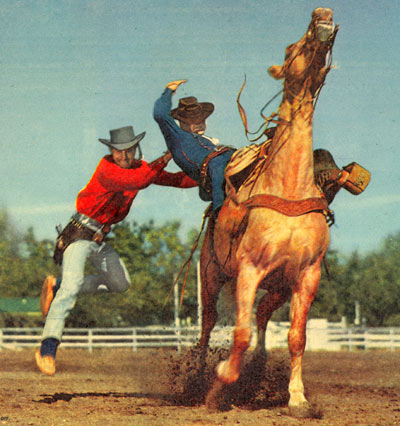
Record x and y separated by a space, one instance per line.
211 285
267 305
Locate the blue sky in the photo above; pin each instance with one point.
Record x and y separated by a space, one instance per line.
72 70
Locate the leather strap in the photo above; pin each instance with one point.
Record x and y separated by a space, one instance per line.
288 207
75 231
203 170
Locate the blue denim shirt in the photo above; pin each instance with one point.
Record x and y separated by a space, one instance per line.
189 150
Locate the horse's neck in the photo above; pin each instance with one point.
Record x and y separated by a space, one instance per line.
289 172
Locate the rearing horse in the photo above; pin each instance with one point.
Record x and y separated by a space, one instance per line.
285 236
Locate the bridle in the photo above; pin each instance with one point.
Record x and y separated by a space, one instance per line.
272 118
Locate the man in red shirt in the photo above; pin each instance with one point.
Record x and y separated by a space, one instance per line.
104 201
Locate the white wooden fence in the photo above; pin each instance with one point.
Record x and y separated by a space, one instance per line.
321 335
91 338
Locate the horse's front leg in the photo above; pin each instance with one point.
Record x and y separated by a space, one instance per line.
302 298
247 282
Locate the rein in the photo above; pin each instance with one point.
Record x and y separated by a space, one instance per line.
263 126
271 118
187 262
288 89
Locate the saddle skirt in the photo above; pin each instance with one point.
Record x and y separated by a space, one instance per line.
241 169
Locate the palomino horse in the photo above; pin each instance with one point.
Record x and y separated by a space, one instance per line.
285 236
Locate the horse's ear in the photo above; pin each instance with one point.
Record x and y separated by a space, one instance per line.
276 71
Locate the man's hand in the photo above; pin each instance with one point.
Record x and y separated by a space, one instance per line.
173 85
167 157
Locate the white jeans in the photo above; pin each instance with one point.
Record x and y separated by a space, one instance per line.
113 277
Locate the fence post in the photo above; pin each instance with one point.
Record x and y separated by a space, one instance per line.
1 339
90 340
176 316
178 337
350 339
317 334
134 340
366 339
392 344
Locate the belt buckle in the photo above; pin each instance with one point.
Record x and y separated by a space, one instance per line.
98 236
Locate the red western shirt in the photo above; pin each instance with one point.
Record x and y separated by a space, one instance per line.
108 196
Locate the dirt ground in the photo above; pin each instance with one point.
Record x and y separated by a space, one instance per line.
151 387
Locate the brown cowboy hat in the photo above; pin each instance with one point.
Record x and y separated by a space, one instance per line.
192 112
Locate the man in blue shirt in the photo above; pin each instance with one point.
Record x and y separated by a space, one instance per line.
197 155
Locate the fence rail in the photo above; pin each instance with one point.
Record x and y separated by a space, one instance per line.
321 335
135 337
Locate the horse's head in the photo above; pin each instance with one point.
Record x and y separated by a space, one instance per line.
305 61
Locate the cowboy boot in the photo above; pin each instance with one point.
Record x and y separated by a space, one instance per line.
46 356
49 290
326 173
330 178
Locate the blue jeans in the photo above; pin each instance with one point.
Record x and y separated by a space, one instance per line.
216 171
112 277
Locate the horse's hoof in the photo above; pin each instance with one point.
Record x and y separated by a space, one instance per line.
305 411
224 374
300 411
259 356
215 400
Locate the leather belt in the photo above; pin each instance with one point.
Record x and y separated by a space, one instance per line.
204 182
87 222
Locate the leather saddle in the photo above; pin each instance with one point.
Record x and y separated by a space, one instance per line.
327 175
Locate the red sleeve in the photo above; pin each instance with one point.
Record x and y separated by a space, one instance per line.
178 180
115 178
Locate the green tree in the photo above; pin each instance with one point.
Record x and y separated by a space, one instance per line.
155 253
11 266
24 262
328 303
378 284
